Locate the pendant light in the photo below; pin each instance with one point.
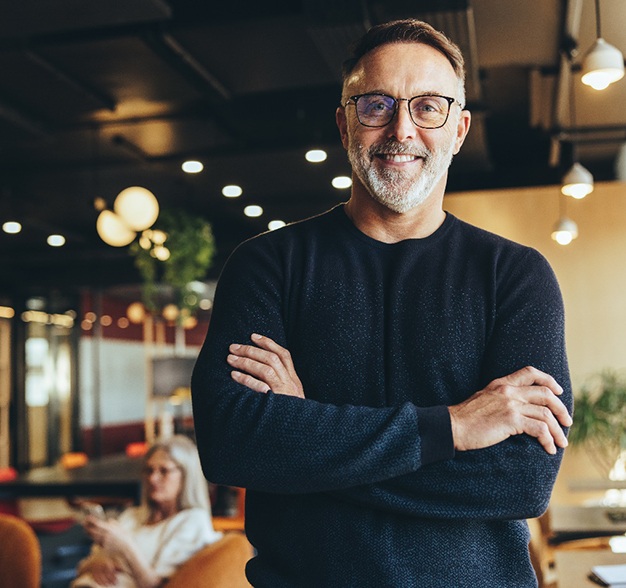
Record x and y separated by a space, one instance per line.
603 64
565 229
578 181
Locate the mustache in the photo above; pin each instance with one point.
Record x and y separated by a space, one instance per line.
393 147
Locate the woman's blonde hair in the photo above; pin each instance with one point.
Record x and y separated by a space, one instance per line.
184 453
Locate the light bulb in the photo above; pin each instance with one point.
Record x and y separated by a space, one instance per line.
138 207
112 229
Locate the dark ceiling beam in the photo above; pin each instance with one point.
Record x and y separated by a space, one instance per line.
130 147
163 44
81 87
24 121
195 66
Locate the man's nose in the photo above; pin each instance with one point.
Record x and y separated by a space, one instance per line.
402 126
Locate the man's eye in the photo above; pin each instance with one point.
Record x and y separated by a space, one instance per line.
427 106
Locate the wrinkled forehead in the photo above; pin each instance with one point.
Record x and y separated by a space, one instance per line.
403 70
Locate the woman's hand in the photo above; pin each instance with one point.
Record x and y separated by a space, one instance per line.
265 366
108 534
102 567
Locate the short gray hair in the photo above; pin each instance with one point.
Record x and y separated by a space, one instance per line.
408 30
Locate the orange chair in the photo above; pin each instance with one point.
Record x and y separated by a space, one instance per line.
20 554
236 522
219 565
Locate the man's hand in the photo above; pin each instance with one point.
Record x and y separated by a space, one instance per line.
264 366
525 401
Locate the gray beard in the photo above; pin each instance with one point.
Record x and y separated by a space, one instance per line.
399 190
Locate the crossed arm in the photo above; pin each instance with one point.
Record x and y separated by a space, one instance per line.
523 402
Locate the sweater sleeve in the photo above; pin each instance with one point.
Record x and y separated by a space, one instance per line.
513 479
276 443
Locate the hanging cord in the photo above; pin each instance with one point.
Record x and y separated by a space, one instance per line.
572 107
598 29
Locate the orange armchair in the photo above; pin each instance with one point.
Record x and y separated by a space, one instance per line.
20 554
219 565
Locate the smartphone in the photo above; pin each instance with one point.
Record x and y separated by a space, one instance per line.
93 509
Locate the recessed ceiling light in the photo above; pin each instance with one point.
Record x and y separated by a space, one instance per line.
342 182
56 240
192 167
315 155
275 224
232 191
253 210
11 227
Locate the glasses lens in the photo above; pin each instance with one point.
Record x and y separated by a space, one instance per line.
429 112
375 110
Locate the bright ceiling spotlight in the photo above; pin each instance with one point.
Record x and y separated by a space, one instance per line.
253 210
112 229
565 231
577 182
603 64
11 227
315 155
137 207
232 191
192 167
275 224
341 182
56 240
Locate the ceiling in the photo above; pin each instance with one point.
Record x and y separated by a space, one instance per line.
98 96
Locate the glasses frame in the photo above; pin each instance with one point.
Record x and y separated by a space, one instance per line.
163 472
396 101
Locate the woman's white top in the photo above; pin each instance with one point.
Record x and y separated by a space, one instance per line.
165 545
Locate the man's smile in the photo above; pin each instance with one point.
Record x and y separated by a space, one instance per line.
397 157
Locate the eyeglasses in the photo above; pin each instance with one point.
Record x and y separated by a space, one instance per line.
427 111
162 471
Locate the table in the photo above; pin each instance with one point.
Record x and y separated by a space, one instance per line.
573 567
577 521
116 476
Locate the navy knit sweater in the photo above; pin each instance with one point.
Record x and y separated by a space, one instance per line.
358 485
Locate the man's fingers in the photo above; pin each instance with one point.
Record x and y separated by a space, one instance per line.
529 376
541 431
257 369
540 422
249 381
268 364
254 358
544 397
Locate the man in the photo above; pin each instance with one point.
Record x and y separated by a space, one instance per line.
384 379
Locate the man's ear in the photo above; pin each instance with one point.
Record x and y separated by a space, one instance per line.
462 129
342 124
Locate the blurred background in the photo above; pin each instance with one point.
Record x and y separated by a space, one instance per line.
223 115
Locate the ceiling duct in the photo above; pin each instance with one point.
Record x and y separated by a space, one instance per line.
334 26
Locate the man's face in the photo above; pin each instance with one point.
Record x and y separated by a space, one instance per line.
400 164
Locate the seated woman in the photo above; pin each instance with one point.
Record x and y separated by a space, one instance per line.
146 544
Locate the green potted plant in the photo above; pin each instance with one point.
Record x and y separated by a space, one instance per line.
178 250
600 420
